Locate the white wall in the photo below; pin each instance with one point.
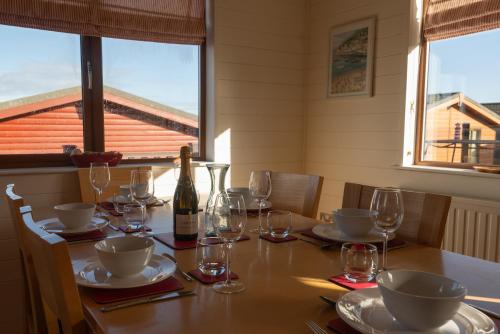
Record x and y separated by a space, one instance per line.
359 139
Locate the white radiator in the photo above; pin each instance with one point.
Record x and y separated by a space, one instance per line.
473 228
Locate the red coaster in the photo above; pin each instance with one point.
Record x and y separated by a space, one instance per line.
340 326
89 236
270 238
168 239
105 296
124 229
345 283
209 279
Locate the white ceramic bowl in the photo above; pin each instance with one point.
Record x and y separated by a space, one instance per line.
125 256
75 215
354 222
418 300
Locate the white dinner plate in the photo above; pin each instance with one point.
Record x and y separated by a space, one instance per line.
254 206
91 273
54 225
331 231
365 311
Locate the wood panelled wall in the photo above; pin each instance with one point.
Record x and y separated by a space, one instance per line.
259 55
360 139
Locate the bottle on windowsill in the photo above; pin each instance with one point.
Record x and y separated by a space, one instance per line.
185 202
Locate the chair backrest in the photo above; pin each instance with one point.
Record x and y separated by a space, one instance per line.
298 193
32 304
118 177
425 214
55 276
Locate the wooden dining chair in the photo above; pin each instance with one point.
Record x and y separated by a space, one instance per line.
58 290
34 320
298 193
424 217
118 177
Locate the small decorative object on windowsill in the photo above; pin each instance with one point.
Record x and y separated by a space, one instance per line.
84 159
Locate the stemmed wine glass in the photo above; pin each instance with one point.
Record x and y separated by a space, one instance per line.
99 177
229 220
260 189
389 211
142 187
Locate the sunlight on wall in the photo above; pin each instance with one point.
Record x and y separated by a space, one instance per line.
223 152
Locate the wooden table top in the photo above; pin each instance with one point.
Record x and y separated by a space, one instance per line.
283 284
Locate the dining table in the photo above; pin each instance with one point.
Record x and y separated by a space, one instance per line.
283 284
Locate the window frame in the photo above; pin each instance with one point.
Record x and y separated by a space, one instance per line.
93 119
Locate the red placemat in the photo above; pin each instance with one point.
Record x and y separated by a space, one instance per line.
340 326
345 283
391 245
270 238
124 229
209 279
168 239
89 236
105 296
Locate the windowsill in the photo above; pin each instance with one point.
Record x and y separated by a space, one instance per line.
445 170
71 169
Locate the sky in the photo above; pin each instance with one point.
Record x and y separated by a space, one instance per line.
468 64
36 61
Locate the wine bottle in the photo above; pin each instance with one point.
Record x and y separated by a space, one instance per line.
185 202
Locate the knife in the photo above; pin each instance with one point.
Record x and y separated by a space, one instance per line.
146 300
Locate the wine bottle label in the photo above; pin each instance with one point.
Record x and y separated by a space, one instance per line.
186 224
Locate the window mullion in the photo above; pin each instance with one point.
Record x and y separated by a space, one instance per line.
92 94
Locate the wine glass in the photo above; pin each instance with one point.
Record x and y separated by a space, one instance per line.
389 210
260 189
229 219
142 188
99 177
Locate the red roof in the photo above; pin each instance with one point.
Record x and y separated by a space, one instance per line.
132 125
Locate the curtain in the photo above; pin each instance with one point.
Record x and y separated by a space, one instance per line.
169 21
452 18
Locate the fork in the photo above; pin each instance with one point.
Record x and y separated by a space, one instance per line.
315 328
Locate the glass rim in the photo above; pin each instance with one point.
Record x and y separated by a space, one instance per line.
219 242
98 163
367 246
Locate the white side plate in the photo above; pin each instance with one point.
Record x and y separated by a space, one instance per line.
365 311
54 225
91 273
330 231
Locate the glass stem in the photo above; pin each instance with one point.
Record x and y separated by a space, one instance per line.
384 251
260 218
228 263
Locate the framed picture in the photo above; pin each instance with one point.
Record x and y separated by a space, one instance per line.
351 59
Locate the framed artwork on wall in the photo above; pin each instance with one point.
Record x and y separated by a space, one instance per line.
350 70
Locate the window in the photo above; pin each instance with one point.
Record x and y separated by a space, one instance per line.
40 91
125 76
151 97
459 100
462 100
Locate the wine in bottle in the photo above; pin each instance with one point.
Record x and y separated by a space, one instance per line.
185 202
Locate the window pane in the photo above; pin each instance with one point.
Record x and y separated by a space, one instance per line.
151 97
40 91
462 112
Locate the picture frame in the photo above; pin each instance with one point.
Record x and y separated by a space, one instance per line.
351 56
